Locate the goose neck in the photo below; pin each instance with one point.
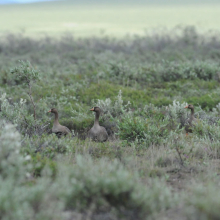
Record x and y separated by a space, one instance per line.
56 118
192 113
97 118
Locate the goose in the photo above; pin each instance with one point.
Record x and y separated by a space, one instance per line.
57 128
97 132
191 121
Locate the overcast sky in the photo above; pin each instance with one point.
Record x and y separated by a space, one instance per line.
20 1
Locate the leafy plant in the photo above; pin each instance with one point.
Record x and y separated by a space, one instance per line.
27 75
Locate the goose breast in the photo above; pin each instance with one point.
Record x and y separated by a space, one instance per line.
98 133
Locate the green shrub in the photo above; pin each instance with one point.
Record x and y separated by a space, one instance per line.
39 162
132 128
156 132
162 72
147 131
207 101
201 70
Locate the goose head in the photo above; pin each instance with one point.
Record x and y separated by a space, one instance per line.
95 109
190 106
53 110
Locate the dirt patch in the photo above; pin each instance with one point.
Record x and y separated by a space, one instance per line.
180 178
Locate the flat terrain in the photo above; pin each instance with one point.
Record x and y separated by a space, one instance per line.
54 18
148 168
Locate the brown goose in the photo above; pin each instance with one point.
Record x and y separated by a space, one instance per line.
191 121
97 132
58 129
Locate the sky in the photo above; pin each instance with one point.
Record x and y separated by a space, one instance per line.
20 1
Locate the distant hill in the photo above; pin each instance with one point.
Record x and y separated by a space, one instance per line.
117 1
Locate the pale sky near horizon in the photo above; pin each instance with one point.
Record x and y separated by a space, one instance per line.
21 1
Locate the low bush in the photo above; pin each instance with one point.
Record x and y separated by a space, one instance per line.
18 114
21 198
104 186
132 128
10 159
205 202
146 131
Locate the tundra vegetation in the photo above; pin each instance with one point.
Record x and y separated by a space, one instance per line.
149 168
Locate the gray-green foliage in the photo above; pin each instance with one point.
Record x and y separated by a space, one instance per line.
132 128
18 114
20 197
146 131
44 178
10 158
152 125
25 72
27 75
82 186
165 71
104 185
48 145
13 113
205 203
112 109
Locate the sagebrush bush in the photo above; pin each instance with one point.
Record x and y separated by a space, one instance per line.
20 197
163 72
10 159
103 186
205 202
18 114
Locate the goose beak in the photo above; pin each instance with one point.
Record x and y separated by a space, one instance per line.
92 109
49 110
186 106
